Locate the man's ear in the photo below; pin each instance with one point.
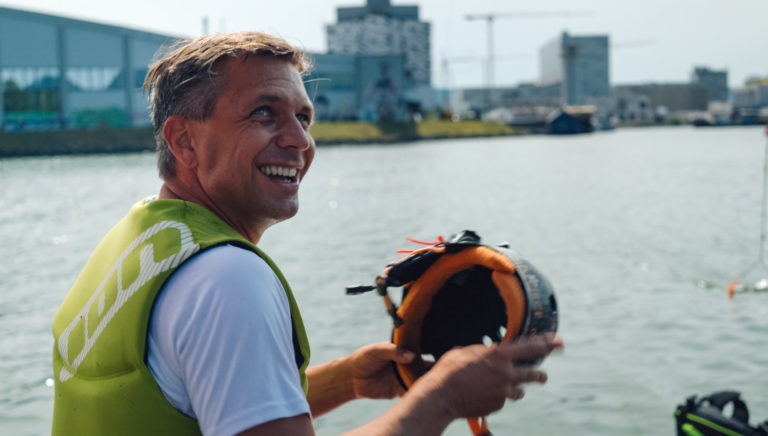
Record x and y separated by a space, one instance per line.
177 135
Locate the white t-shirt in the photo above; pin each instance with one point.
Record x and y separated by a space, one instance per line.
220 343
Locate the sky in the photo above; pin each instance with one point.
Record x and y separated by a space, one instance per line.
651 40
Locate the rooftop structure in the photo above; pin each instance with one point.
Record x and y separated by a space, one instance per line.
380 29
377 7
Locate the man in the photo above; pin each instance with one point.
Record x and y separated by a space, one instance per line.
179 324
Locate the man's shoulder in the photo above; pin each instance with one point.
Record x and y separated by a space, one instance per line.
226 281
223 275
227 260
224 254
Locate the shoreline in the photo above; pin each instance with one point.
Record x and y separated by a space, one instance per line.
138 139
141 139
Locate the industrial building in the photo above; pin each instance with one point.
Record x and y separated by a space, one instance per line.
580 64
63 73
715 82
658 100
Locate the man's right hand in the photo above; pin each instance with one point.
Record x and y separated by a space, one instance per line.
476 380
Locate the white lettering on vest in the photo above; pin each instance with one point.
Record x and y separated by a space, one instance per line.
148 269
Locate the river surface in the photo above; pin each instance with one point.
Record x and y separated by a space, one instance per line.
639 230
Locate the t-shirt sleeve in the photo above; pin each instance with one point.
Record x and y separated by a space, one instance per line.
220 343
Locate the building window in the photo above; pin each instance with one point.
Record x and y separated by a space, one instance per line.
31 77
139 74
31 98
94 78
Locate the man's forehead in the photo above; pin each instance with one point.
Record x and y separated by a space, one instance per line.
264 65
260 73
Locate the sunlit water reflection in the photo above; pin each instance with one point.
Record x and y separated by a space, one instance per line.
639 230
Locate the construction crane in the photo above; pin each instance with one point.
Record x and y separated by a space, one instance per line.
633 43
490 18
448 61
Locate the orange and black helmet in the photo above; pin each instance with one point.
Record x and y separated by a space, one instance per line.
461 292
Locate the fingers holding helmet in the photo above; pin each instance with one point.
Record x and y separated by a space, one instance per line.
523 351
476 380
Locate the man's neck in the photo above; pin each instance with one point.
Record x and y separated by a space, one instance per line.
169 191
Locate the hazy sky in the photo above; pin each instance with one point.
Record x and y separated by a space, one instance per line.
654 40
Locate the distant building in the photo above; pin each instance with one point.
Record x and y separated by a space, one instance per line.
753 95
58 72
750 102
715 82
378 65
633 104
358 87
580 65
331 87
380 29
641 101
522 98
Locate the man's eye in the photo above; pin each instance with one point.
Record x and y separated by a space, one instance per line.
304 118
263 111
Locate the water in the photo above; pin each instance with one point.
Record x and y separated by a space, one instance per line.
639 231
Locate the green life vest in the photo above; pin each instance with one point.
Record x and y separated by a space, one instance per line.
102 383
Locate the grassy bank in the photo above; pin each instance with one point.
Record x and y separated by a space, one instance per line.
354 132
115 140
119 140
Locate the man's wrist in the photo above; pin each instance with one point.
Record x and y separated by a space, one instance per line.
427 411
345 381
433 393
330 385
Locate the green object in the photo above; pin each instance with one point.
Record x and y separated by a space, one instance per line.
705 416
691 430
103 385
710 425
100 118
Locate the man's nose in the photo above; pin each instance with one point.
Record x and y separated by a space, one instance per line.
293 134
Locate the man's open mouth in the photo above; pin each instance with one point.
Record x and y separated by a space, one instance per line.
281 173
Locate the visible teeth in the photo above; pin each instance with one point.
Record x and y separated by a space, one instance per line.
273 170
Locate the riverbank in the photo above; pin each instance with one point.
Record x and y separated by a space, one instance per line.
123 140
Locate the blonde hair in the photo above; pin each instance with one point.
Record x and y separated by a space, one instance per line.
183 82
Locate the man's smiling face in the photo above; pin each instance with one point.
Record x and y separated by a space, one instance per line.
255 148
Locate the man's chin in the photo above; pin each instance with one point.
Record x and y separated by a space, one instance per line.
285 211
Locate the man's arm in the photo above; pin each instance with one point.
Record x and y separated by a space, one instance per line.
220 345
300 425
466 382
366 373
